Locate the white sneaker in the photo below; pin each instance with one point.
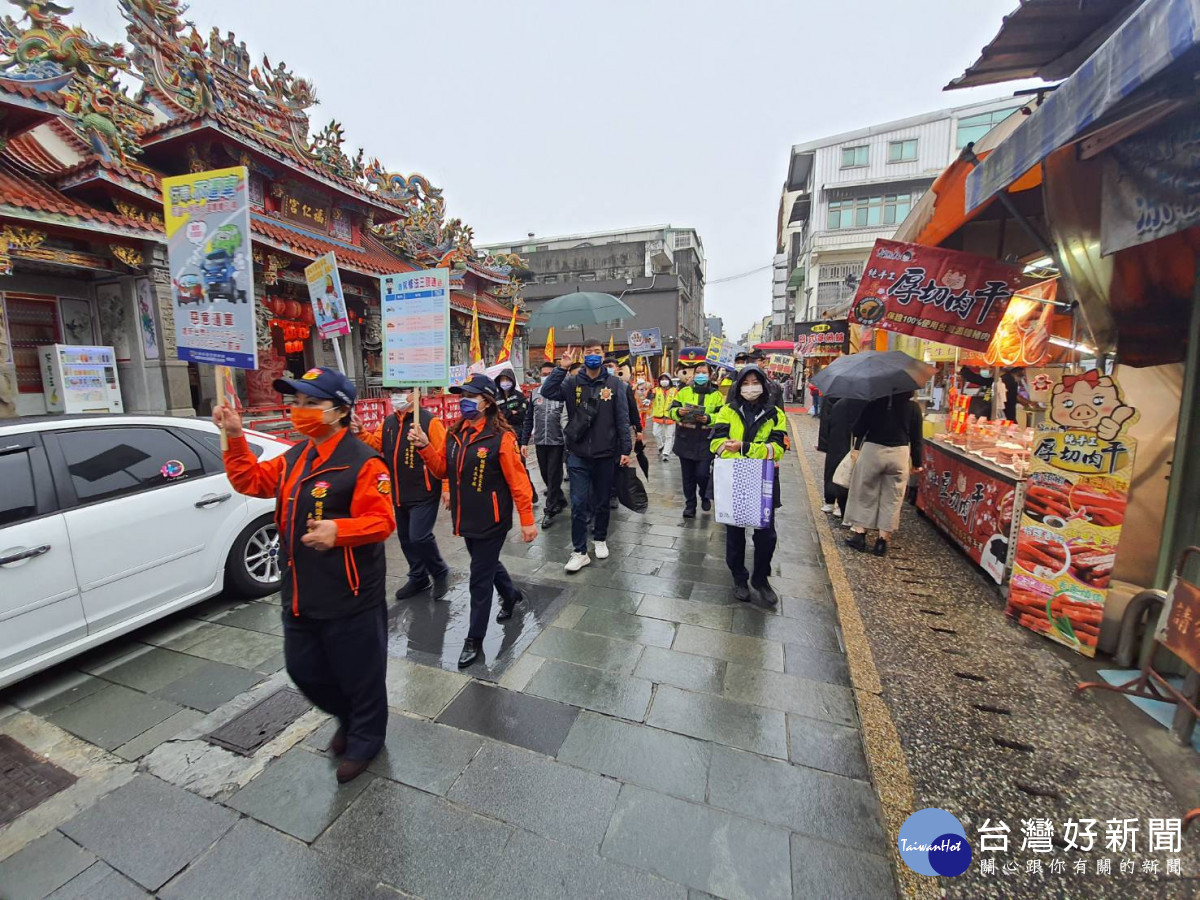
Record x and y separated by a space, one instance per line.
577 562
601 550
838 513
827 508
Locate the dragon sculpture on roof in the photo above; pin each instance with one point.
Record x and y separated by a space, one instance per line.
47 48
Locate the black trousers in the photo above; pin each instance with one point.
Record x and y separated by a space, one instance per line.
695 478
550 464
414 527
487 573
835 493
341 666
765 540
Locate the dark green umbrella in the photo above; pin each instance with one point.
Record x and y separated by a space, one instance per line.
580 308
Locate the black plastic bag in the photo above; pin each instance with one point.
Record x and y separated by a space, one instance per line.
630 490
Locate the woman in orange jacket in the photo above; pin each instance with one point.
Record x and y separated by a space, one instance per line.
487 479
416 492
333 508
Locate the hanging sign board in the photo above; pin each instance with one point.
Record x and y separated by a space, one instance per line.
721 353
780 364
325 294
939 295
827 337
207 218
1076 494
416 328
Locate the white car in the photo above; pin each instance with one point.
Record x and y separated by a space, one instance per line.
110 522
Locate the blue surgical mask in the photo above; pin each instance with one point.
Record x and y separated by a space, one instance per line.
469 408
701 379
593 361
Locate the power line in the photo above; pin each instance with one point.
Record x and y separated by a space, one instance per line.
741 275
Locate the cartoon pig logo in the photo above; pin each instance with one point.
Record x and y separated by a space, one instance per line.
1090 402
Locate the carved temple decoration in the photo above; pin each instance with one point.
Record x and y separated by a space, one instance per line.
14 238
128 255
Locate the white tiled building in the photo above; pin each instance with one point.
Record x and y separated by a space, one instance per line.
843 192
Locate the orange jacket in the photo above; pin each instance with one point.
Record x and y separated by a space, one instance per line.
511 464
372 517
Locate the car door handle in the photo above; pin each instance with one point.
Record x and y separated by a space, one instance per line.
212 501
24 554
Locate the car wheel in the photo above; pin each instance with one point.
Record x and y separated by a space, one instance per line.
252 569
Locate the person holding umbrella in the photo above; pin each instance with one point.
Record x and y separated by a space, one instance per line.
597 434
487 479
890 427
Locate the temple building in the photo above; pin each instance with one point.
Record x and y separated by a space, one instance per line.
87 132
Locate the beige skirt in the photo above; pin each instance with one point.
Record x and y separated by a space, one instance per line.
877 487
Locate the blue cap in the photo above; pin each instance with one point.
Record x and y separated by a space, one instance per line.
322 383
477 384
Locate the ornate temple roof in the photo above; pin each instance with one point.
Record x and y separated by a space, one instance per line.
20 192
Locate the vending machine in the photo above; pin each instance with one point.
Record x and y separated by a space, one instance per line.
80 379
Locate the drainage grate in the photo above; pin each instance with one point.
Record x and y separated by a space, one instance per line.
931 612
261 723
943 630
26 779
970 676
997 710
1013 745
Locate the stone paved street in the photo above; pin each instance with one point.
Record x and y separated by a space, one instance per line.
634 732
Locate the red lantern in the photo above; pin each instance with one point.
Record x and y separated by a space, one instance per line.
306 314
291 309
278 306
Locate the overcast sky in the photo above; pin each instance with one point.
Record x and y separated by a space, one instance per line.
556 117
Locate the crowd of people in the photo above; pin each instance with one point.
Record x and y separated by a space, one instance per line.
343 490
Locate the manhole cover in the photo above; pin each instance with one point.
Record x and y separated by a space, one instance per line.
260 723
26 779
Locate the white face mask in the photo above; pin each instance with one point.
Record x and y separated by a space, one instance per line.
506 385
665 383
751 392
400 402
641 381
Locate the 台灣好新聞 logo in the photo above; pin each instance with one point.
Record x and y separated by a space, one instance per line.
933 842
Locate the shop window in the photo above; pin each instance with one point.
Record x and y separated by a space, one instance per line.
17 499
902 151
973 128
111 462
32 323
870 212
855 157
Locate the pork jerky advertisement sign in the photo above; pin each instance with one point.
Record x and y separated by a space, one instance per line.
828 337
938 295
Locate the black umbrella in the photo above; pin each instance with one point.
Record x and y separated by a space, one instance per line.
871 374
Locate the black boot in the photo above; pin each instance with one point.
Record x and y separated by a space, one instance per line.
689 511
857 541
767 594
706 504
412 588
741 592
470 653
547 520
880 548
506 607
441 586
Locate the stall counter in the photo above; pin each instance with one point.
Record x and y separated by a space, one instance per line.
975 502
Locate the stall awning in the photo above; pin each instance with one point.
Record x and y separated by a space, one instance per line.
1149 41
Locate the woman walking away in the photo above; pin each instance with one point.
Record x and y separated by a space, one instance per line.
751 426
487 478
837 421
660 408
890 429
693 410
333 508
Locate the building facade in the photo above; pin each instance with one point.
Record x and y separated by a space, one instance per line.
714 326
845 191
659 272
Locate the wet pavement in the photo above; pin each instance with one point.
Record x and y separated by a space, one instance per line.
983 721
632 732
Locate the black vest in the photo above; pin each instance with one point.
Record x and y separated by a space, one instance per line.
411 481
481 505
326 584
